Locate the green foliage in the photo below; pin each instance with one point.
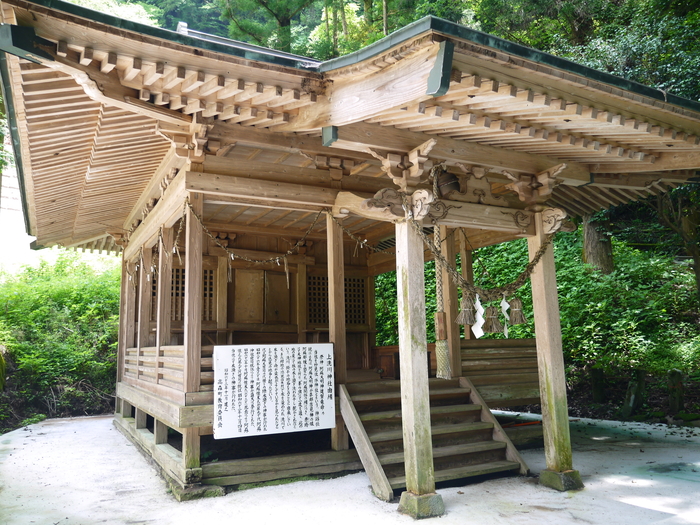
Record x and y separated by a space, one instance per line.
59 325
144 14
264 22
643 315
200 15
386 306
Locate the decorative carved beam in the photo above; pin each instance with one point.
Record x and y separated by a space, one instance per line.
360 137
387 206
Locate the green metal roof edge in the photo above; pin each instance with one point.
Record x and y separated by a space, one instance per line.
258 53
14 135
451 29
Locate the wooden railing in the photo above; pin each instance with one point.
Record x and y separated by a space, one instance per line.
503 370
166 368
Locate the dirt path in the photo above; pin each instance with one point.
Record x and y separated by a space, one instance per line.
83 471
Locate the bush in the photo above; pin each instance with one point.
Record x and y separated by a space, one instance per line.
59 325
643 315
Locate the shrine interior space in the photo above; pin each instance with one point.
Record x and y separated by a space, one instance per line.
255 195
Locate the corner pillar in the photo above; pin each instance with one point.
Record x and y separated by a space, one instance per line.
193 295
559 473
336 320
420 499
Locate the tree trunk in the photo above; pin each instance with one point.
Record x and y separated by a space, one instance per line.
676 402
597 248
385 16
343 19
598 385
369 17
285 35
335 28
635 393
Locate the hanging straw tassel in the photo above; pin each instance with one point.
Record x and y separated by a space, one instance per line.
442 356
442 349
492 324
466 316
516 311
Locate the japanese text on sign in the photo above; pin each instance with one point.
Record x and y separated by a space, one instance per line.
272 389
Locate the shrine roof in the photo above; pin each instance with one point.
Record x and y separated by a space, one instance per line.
104 110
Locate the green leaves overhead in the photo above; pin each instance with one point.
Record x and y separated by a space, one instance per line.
264 22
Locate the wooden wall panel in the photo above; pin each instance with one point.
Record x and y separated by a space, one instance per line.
248 296
277 298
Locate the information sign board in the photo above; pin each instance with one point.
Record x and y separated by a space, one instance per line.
272 389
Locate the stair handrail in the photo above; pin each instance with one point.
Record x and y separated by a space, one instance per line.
377 477
499 434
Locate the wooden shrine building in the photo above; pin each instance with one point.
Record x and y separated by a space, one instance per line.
244 188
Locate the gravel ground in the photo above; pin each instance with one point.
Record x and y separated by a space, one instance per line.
83 471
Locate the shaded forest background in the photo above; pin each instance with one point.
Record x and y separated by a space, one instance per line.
628 278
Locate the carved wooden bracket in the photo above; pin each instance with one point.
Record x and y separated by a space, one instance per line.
553 219
386 205
535 189
407 171
474 187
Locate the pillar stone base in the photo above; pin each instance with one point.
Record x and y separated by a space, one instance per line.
562 481
423 506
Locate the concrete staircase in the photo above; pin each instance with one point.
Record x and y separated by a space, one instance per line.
467 439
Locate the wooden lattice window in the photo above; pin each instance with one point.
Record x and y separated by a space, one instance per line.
355 302
154 297
355 305
208 304
177 295
318 299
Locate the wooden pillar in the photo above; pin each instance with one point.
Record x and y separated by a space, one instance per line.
140 417
164 298
127 325
465 254
451 298
144 304
415 398
190 447
125 339
222 300
302 306
371 321
126 408
160 432
193 296
336 320
550 363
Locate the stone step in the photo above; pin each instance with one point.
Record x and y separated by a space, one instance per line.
463 472
438 430
442 452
